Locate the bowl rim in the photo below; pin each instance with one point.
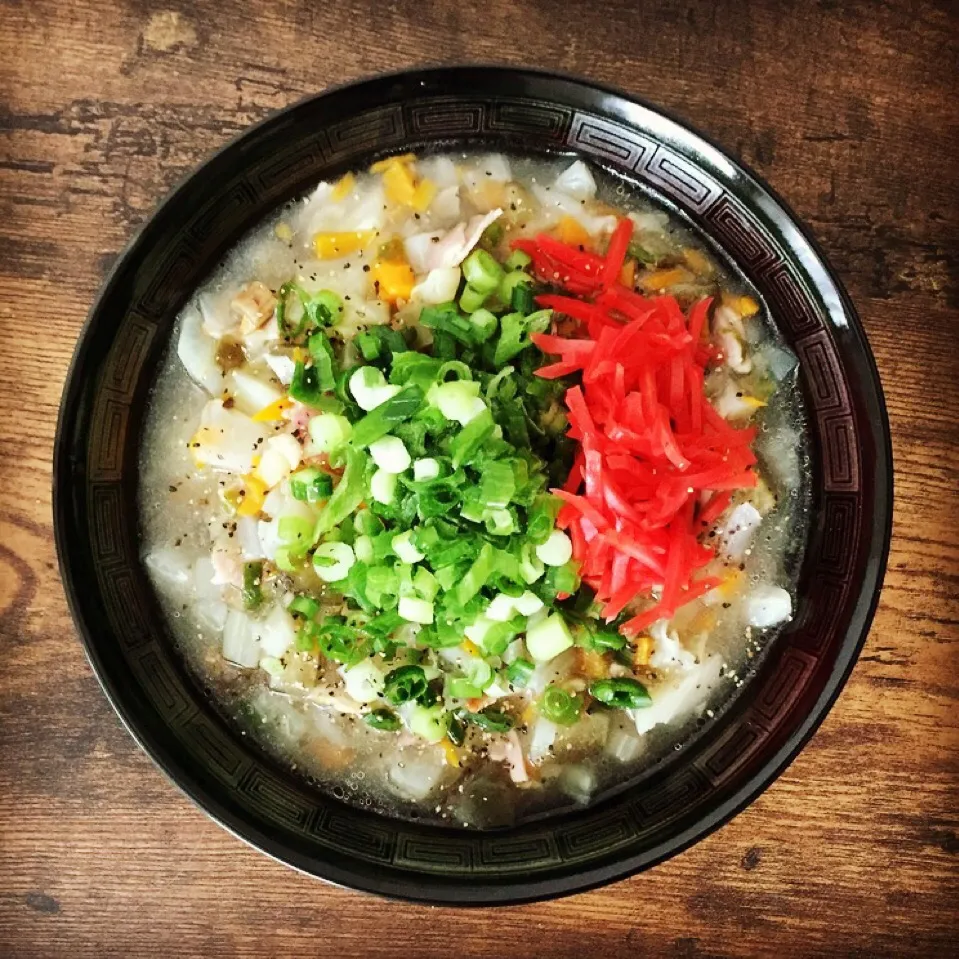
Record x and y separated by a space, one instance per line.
433 890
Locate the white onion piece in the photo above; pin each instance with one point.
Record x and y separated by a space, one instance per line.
556 204
768 605
203 580
542 736
240 645
415 775
577 181
276 633
738 531
218 318
668 653
364 681
440 286
493 166
577 782
650 222
446 207
197 353
440 169
169 565
418 249
251 393
681 695
211 615
623 744
282 366
229 440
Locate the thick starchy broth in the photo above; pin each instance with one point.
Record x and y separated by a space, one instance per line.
358 552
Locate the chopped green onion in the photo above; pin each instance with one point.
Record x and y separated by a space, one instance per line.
621 693
429 722
519 672
332 561
477 575
323 361
471 300
404 684
329 432
459 687
515 331
446 318
304 606
347 496
497 485
252 585
484 324
311 485
638 252
547 639
557 550
518 260
397 409
370 389
415 610
482 272
295 533
383 719
492 720
369 345
467 443
512 282
558 706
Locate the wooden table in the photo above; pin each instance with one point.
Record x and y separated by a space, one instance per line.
849 110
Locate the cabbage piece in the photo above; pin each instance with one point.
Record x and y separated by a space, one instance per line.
197 352
577 181
227 439
679 695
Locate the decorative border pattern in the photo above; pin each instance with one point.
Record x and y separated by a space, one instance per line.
312 824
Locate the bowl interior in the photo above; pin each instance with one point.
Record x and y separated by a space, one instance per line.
731 760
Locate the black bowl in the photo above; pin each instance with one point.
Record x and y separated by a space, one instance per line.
95 487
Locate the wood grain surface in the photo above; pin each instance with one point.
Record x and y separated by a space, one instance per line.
848 109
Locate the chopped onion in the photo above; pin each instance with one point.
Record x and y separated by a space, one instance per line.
370 389
768 605
169 565
197 353
240 645
440 286
383 486
251 393
738 531
332 561
425 469
364 681
557 550
677 696
390 454
577 181
276 633
542 736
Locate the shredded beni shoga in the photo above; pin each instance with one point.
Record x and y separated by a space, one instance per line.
479 427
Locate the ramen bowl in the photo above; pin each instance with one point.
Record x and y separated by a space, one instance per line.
680 798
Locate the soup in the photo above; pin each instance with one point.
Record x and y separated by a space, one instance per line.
473 485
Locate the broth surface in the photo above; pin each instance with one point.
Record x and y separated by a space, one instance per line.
294 705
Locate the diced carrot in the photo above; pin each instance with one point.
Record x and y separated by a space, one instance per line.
660 280
571 231
392 280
